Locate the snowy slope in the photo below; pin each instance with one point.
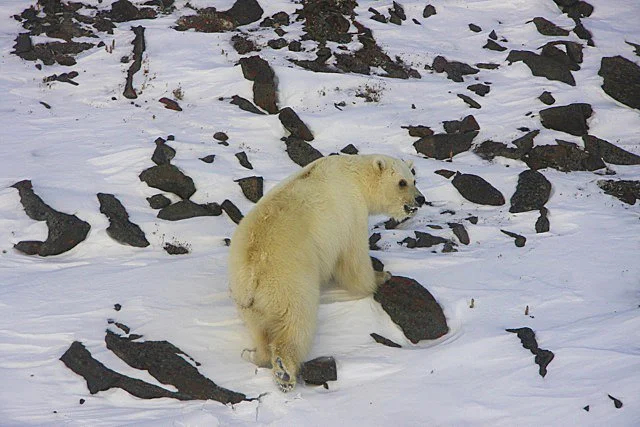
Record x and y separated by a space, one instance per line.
580 280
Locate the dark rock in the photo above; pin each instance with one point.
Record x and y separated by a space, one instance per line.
121 229
449 246
532 192
325 21
548 28
124 11
479 89
444 146
384 341
625 190
208 159
65 231
398 10
232 211
469 101
373 240
295 46
488 66
455 70
158 201
608 152
571 118
528 340
170 104
165 362
547 98
163 154
444 172
520 240
278 43
221 136
185 209
319 370
117 307
491 45
488 150
621 80
542 223
349 149
472 219
206 21
583 33
169 178
301 152
63 77
242 44
138 49
460 232
564 157
429 10
616 402
100 378
543 66
377 264
264 96
245 104
423 240
294 125
412 308
578 9
586 408
493 35
244 160
635 46
172 249
245 12
451 126
477 190
570 59
525 142
252 187
475 28
418 131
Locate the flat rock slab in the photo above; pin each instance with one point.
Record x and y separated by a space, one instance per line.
460 232
294 124
165 363
543 66
158 201
477 190
565 157
528 340
519 241
121 229
384 341
412 308
169 178
455 70
570 118
245 105
301 152
548 28
626 190
532 192
609 152
319 371
444 146
244 160
65 231
185 209
252 187
424 240
621 80
257 70
232 211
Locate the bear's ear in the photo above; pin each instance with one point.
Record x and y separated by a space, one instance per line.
379 163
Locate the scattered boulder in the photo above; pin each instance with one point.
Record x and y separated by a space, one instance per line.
319 371
454 69
479 89
429 10
245 104
176 249
492 45
542 223
418 131
532 192
373 240
245 12
257 70
565 157
384 341
158 201
412 308
170 104
528 340
121 229
570 118
163 154
444 146
616 402
621 80
477 190
221 136
185 209
469 101
546 98
301 152
65 231
625 190
543 66
252 187
608 152
138 49
232 211
519 240
244 160
169 178
475 28
423 240
548 28
294 125
460 232
208 159
349 149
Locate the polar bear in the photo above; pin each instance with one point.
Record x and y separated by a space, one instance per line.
309 229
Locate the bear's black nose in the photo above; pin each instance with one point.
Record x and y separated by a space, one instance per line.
420 200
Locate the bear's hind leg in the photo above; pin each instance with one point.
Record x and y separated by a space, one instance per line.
261 354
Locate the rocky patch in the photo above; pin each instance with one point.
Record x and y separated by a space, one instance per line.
444 146
177 249
621 80
65 231
609 152
412 308
209 20
565 157
477 190
532 192
528 340
121 229
626 190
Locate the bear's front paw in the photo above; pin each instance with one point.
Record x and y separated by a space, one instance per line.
381 277
285 381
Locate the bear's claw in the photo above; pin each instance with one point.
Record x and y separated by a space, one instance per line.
282 377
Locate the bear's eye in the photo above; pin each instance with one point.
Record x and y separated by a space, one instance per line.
402 183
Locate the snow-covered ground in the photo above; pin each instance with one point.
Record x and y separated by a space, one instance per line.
580 280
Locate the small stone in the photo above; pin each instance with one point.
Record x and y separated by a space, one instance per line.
548 28
492 45
185 209
244 160
277 43
445 172
616 402
245 105
571 118
384 341
252 187
320 370
469 101
520 240
373 240
419 131
479 89
429 10
621 80
232 211
460 232
349 149
158 201
547 98
532 192
477 190
172 249
208 159
444 146
170 104
542 223
300 151
292 122
609 152
163 154
475 28
220 136
169 178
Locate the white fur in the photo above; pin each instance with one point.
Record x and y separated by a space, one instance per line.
309 229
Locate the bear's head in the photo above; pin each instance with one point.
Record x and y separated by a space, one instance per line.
397 195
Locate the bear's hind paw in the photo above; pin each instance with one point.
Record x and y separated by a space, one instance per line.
285 381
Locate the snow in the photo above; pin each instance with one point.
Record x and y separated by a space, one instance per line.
580 280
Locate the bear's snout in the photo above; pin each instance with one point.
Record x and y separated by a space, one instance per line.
420 200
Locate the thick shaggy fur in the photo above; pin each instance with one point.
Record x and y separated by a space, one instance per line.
309 229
